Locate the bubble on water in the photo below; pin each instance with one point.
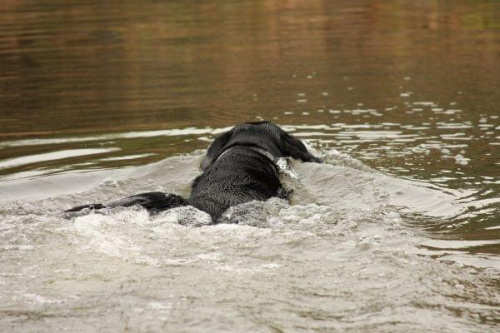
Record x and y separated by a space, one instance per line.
159 306
99 231
461 160
278 214
421 149
310 214
89 224
285 167
255 213
35 298
334 111
187 216
109 182
367 242
334 157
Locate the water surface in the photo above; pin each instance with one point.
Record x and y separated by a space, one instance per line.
397 232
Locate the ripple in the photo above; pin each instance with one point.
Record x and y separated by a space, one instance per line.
53 156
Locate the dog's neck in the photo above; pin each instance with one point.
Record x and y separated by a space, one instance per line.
259 150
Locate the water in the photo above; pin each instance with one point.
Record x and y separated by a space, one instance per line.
397 232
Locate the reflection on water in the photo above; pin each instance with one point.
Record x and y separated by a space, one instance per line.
94 93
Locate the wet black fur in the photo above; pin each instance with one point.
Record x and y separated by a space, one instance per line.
239 167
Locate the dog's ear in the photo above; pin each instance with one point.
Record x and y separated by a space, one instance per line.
296 149
215 149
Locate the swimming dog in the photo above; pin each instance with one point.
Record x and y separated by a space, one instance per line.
240 166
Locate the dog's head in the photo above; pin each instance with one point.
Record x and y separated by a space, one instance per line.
263 135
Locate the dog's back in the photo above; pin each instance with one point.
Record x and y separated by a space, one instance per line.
240 175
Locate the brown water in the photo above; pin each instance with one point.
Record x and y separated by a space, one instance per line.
398 232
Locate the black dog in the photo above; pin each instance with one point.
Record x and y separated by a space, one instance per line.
240 166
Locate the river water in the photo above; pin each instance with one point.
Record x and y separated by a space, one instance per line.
399 231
